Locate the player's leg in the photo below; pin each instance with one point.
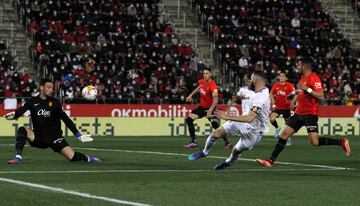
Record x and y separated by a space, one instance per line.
194 115
22 135
210 141
273 121
312 129
246 142
62 147
215 123
286 115
291 127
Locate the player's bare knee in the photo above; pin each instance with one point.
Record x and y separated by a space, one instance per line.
314 142
218 133
285 135
69 158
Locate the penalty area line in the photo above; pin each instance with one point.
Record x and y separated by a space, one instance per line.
70 192
210 156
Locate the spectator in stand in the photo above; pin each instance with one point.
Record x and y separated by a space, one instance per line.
123 42
279 32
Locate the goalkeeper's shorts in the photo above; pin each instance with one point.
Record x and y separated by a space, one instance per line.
44 141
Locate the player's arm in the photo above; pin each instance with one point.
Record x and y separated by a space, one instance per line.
318 95
19 112
317 92
215 96
196 90
232 102
70 124
293 100
272 99
254 111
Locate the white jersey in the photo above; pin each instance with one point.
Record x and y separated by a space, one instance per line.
251 133
245 93
260 104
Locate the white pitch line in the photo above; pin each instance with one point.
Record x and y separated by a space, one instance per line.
214 157
71 192
161 171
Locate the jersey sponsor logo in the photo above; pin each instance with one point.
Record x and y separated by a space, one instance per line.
280 92
43 112
58 141
318 85
36 104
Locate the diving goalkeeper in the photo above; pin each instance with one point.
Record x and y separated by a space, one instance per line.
46 113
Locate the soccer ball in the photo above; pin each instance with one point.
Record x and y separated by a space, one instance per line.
89 92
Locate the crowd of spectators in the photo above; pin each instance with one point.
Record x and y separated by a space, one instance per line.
128 49
272 35
14 81
355 4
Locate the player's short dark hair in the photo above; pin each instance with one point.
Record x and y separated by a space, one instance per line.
307 60
43 81
283 72
260 74
207 68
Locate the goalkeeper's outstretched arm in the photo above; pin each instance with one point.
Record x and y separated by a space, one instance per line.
20 111
70 124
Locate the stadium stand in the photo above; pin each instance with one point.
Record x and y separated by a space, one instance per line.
128 49
271 35
14 81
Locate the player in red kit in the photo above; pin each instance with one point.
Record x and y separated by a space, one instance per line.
309 92
279 101
208 101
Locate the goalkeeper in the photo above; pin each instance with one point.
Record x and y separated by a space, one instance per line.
46 113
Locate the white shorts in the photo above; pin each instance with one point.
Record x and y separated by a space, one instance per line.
248 137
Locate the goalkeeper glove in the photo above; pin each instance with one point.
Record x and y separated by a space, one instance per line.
86 138
9 116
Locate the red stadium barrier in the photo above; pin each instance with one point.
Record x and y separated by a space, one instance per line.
167 110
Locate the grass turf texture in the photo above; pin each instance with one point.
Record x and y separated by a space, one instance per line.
127 175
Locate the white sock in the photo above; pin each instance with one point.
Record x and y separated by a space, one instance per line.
18 157
210 141
235 154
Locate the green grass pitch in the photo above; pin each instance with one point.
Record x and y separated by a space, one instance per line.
155 171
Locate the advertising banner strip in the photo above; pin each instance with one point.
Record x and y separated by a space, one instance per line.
167 126
169 110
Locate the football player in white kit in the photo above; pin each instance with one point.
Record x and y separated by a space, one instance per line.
244 94
249 127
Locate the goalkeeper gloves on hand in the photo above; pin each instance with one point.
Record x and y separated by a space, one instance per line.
85 138
9 116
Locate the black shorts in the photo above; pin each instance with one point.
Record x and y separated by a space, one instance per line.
56 143
284 112
297 121
201 112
